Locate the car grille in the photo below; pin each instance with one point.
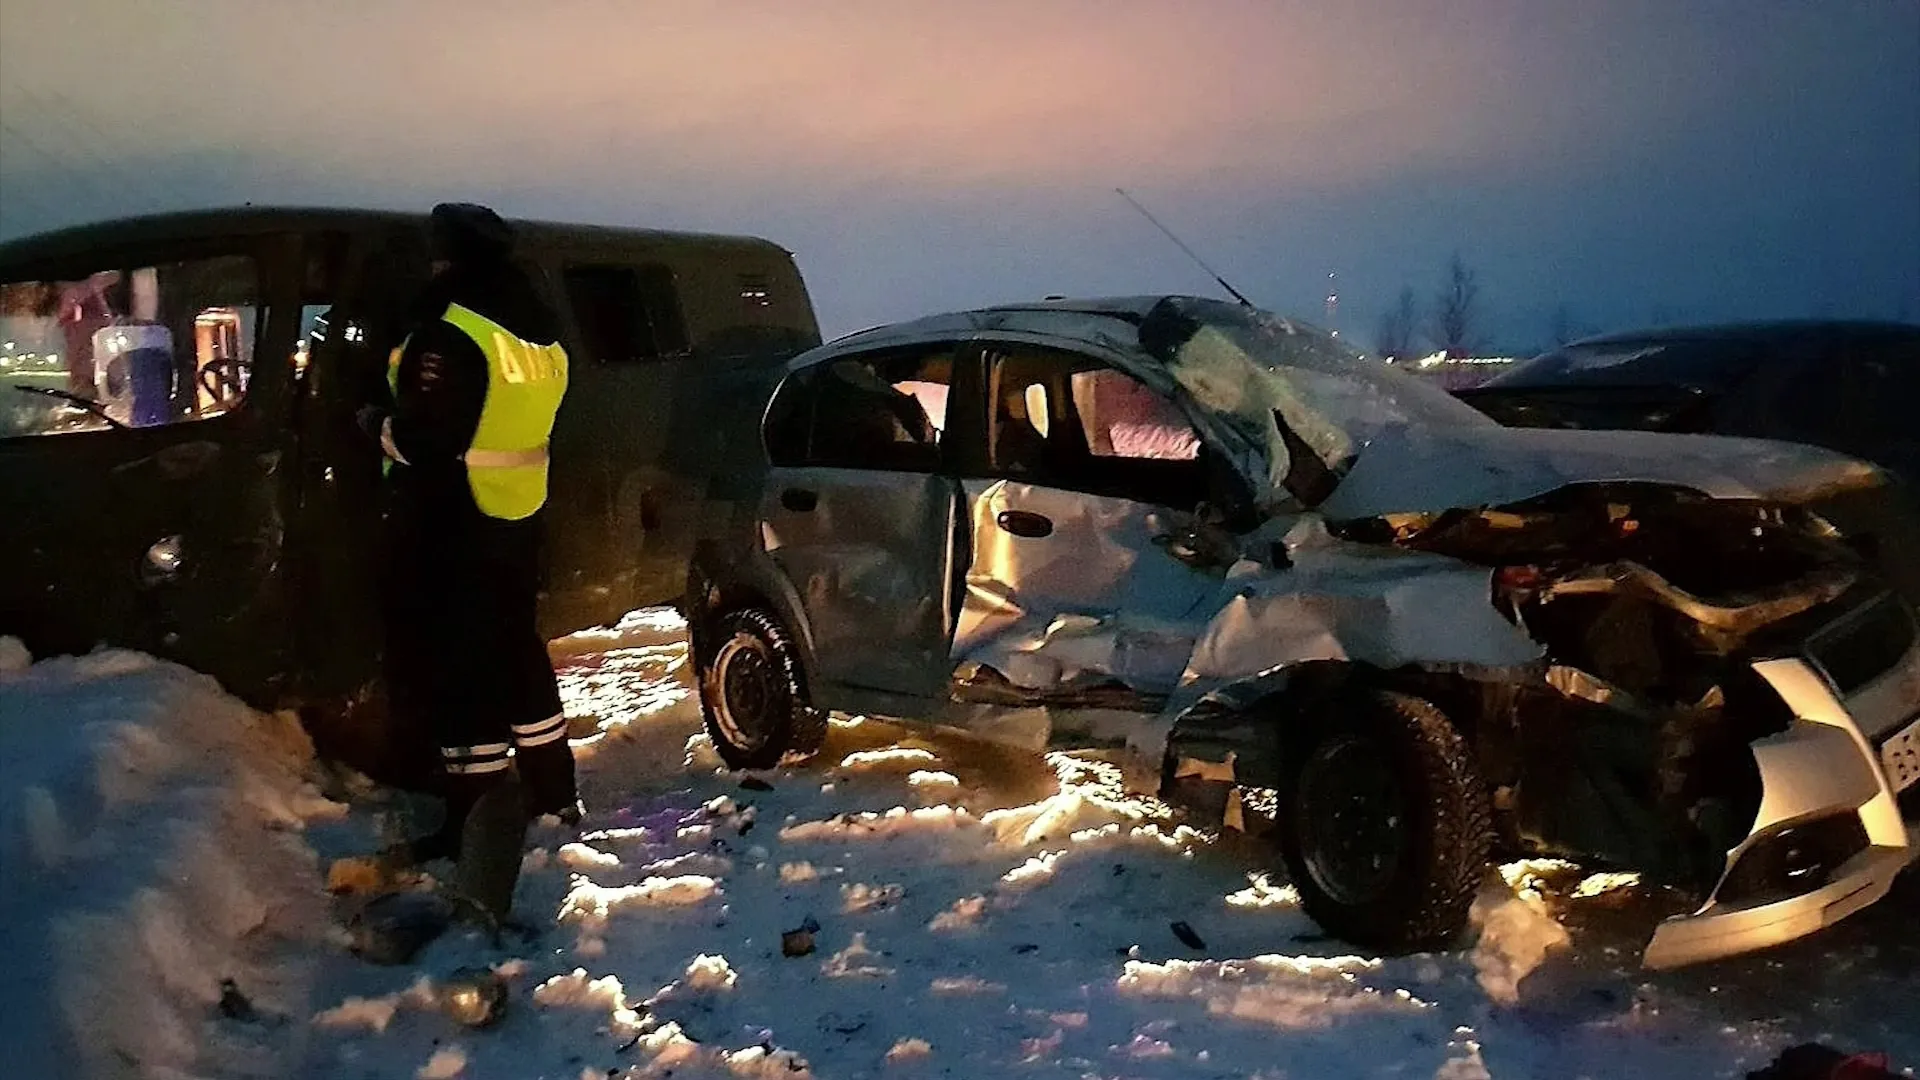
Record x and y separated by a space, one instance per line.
1861 645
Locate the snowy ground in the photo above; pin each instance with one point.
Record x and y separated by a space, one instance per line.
981 913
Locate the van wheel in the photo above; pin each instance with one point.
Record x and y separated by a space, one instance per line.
1385 826
753 695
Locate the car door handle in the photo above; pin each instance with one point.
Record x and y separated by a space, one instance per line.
799 500
1025 523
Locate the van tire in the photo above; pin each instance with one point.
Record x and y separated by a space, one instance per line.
1399 874
753 693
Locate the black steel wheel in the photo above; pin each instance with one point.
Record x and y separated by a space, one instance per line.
753 694
1385 826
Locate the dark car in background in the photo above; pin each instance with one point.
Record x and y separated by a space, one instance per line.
1847 386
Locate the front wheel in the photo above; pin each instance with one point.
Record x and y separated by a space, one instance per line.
1385 825
753 694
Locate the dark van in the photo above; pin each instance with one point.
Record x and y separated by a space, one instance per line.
180 471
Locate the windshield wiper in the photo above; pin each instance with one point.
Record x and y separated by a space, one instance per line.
74 399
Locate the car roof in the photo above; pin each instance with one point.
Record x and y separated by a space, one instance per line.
77 240
1111 321
1753 332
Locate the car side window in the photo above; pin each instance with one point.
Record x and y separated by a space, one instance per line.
1070 421
135 347
626 313
884 411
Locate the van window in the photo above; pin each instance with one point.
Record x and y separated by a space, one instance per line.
881 412
626 313
128 347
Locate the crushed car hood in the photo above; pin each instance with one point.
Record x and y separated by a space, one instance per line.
1432 468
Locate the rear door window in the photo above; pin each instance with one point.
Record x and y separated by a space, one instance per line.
626 313
886 411
139 346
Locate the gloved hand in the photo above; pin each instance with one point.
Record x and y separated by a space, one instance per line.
370 419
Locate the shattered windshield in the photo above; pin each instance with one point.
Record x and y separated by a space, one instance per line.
1247 365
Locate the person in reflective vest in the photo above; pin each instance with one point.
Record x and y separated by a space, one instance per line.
476 385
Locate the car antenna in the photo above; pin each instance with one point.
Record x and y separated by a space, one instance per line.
1198 261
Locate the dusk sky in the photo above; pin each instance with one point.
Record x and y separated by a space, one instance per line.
1677 159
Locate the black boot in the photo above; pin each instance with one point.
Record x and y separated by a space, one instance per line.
460 793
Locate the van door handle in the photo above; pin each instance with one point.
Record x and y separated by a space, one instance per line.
799 500
1025 523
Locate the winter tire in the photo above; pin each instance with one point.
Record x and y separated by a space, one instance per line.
1385 825
753 694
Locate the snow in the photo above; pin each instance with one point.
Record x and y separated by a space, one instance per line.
445 1064
907 1050
1012 917
153 834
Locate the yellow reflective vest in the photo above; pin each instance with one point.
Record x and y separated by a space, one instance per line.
507 460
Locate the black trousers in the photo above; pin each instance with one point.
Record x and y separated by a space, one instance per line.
464 656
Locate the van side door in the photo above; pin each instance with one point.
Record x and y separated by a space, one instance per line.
141 446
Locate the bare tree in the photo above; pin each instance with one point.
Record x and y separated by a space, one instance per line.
1395 337
1454 325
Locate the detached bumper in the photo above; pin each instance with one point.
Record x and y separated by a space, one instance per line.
1821 777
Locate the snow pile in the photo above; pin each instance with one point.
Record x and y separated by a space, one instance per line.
1516 933
588 902
151 827
909 1050
1288 992
892 758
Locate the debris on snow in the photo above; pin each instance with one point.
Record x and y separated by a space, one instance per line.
474 997
799 941
393 928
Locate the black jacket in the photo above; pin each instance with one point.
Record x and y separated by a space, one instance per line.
442 386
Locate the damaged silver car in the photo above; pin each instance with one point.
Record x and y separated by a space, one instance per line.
1334 601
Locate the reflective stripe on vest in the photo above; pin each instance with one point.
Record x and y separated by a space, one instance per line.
507 461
